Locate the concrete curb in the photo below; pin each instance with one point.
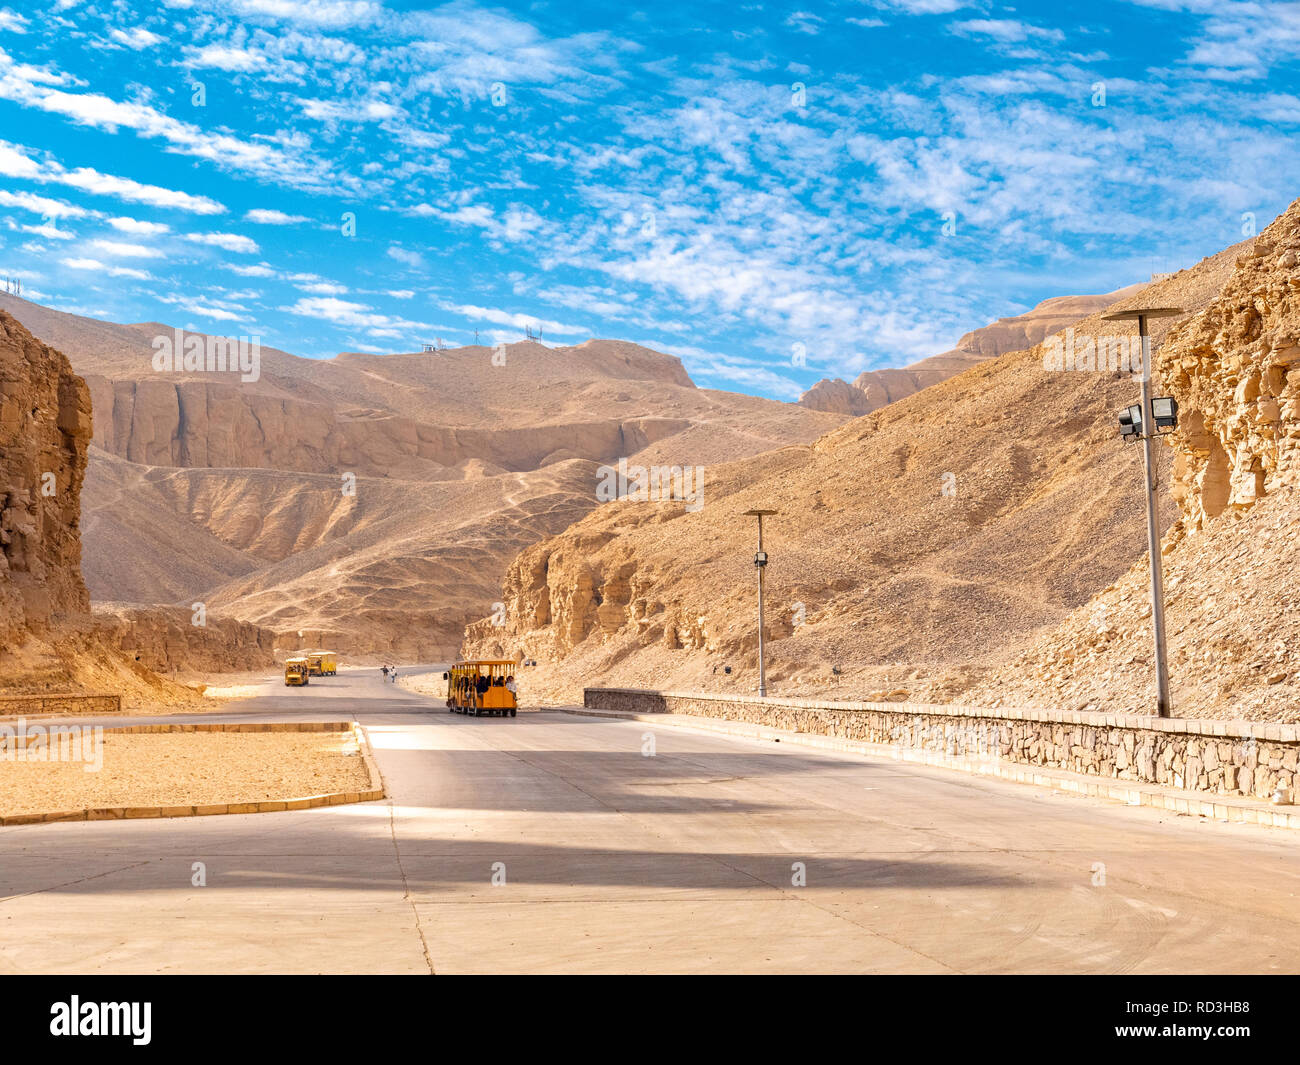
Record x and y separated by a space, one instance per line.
377 783
1233 809
372 793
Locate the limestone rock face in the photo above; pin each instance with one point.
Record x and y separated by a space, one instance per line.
1235 370
166 638
45 430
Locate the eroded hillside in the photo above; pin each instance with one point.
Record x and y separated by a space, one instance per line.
366 501
915 548
1234 630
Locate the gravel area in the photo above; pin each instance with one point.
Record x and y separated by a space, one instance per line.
183 769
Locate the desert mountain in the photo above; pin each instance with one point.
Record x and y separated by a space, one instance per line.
874 388
369 501
915 549
1234 630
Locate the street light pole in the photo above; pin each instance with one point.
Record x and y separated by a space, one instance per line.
1149 473
760 563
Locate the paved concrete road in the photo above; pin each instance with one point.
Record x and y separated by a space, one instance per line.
617 862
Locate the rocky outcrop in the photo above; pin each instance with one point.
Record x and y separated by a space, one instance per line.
838 397
874 389
45 430
1235 370
170 638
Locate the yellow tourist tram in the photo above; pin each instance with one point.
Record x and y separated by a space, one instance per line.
480 688
296 672
322 663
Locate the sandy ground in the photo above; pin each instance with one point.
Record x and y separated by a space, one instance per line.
424 684
185 769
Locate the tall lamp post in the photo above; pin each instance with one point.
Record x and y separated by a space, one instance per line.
1144 422
760 564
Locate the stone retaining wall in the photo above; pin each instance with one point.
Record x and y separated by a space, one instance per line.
58 703
1227 757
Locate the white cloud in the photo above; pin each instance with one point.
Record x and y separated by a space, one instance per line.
926 7
347 110
260 156
134 225
49 232
124 250
90 180
515 319
12 21
260 270
400 293
207 310
324 288
355 315
112 271
1005 30
225 57
805 22
412 259
41 205
227 241
14 162
267 217
332 13
136 38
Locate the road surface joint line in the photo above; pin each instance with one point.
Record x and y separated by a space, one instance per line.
406 889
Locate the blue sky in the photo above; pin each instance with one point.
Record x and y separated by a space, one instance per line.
776 193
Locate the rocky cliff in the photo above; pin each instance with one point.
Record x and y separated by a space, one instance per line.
1235 370
48 639
167 639
45 431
